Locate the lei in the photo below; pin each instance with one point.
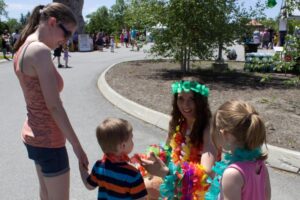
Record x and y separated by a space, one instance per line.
187 86
187 178
219 168
182 148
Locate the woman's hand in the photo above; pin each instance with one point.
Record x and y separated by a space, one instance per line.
81 155
155 166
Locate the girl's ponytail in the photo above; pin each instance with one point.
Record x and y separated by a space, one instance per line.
30 27
256 133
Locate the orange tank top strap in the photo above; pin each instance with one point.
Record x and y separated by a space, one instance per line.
22 50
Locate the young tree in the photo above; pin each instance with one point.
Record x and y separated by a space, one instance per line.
195 28
186 33
230 22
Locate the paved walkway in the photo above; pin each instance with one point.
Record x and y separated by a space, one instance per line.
86 107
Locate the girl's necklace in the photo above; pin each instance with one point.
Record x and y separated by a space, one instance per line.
182 148
239 155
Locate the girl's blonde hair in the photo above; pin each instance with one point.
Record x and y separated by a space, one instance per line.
61 12
242 121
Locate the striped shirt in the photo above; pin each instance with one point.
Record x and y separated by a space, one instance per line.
117 181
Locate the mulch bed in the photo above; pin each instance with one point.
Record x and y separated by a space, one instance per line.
149 83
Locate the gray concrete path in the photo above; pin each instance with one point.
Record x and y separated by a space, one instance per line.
86 107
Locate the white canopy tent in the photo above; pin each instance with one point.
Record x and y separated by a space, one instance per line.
294 15
159 26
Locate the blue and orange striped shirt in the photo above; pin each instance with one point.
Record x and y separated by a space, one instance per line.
117 180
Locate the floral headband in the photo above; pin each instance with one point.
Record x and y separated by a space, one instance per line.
187 86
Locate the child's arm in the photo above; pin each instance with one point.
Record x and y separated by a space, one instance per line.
268 186
209 153
84 175
232 183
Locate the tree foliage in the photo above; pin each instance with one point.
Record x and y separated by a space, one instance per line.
13 24
117 15
230 22
3 12
99 21
143 13
24 18
292 5
195 28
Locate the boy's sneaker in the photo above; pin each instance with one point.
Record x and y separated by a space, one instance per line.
60 66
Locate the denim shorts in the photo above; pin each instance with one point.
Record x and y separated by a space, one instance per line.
53 161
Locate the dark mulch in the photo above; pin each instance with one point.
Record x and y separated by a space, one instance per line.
149 83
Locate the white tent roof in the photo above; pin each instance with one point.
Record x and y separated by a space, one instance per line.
159 26
295 15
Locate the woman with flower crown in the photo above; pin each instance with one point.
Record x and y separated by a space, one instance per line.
191 153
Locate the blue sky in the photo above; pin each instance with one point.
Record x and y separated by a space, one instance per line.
16 7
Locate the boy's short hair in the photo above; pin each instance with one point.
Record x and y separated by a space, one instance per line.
112 132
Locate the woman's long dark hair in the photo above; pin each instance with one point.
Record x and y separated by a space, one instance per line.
41 13
202 118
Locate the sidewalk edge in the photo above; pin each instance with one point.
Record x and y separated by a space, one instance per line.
278 157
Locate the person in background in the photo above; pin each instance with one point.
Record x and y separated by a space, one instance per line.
5 43
112 43
122 38
66 54
57 54
15 37
282 27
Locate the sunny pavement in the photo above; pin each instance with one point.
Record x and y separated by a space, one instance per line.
86 107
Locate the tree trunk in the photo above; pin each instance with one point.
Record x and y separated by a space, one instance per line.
185 59
76 6
188 59
219 65
220 57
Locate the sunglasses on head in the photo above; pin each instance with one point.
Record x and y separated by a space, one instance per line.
67 33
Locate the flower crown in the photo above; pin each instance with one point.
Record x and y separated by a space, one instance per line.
187 86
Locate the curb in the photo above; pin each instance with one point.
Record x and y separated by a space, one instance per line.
279 158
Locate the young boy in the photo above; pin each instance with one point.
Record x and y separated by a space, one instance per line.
113 175
112 44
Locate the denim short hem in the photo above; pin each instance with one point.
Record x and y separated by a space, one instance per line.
56 173
53 161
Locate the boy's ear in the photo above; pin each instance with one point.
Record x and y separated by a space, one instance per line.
121 147
52 21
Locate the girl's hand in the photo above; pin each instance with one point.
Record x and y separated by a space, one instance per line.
154 165
81 155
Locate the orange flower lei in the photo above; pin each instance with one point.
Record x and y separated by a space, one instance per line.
182 148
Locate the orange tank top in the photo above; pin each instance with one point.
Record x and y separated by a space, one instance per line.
39 129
